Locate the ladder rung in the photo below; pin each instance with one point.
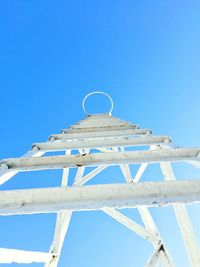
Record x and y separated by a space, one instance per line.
111 133
96 197
99 143
23 256
95 159
78 129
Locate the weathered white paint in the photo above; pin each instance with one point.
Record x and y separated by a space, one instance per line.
190 241
103 128
165 261
140 172
90 175
94 197
6 174
126 172
133 226
150 225
23 256
147 219
124 167
111 133
62 224
102 142
65 174
79 174
103 131
154 259
61 228
95 159
100 122
142 168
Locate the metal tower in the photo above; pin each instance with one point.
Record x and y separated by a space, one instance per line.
109 137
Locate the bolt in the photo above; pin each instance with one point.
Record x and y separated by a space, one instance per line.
4 166
148 132
167 140
35 148
78 165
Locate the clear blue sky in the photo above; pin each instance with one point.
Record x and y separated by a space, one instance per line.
146 54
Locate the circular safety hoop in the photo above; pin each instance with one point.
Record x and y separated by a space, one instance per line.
100 93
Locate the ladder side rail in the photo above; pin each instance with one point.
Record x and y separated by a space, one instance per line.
63 218
154 259
185 225
62 224
144 212
132 225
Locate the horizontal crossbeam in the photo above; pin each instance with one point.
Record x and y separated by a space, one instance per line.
99 143
5 175
100 121
95 197
112 158
110 133
103 128
23 256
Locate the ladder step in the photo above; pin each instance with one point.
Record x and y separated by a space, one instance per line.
23 256
111 133
100 124
101 143
96 197
103 128
95 159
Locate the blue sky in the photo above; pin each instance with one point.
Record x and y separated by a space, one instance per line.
52 53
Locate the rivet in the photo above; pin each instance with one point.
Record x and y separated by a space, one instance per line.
4 166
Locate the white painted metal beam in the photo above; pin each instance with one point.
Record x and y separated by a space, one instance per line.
148 220
98 121
62 225
133 226
6 175
142 168
90 175
140 172
126 172
185 225
110 133
23 256
164 259
79 129
112 158
101 121
61 228
150 225
154 259
95 197
125 168
99 143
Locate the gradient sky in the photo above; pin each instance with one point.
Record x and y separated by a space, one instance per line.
146 54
